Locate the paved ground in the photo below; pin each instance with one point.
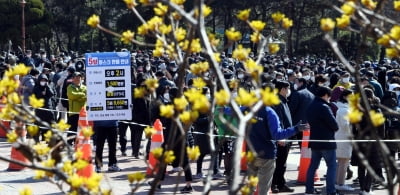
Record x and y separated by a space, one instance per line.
11 182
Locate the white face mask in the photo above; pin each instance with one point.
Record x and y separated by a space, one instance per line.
43 83
240 76
206 74
333 69
346 80
166 96
397 93
288 93
174 69
148 68
313 79
295 86
307 77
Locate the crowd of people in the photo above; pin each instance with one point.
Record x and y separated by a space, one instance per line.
313 93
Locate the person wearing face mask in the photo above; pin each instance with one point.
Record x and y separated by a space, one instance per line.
344 81
320 80
43 91
283 112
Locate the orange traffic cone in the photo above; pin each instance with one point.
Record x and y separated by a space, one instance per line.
156 140
87 171
16 155
243 161
82 123
305 159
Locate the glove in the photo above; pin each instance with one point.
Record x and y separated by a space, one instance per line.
302 127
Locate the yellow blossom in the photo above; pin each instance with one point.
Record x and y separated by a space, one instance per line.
93 21
201 104
199 83
370 4
270 97
41 148
139 92
277 17
348 8
143 29
250 156
176 16
87 132
127 37
193 152
20 69
106 191
67 167
157 52
257 25
233 84
253 181
343 21
255 37
246 98
273 48
151 83
195 46
169 156
165 29
145 2
354 116
49 163
80 164
62 125
193 94
233 35
217 57
180 103
26 191
154 22
287 23
185 117
75 181
32 129
149 131
160 9
194 115
377 118
157 152
34 102
253 68
136 177
245 190
213 39
353 100
392 52
180 34
167 111
93 182
396 5
327 24
241 53
130 3
48 135
222 97
39 174
199 68
178 2
384 40
206 11
243 14
12 136
395 32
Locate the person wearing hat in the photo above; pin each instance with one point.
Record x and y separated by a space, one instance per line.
64 82
76 93
43 91
344 81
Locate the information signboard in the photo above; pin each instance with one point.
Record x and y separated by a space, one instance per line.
108 80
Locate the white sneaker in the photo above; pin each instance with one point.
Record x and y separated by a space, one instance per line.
198 176
114 168
344 188
366 193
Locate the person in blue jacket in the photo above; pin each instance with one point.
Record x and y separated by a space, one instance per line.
323 126
263 137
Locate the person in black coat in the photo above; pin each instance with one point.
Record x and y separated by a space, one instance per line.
43 91
283 112
323 126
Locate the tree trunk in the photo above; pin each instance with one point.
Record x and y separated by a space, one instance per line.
298 25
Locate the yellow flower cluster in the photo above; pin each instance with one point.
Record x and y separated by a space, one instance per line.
370 4
61 125
198 100
32 129
270 97
377 118
354 115
327 24
93 21
396 5
130 3
241 53
253 68
273 48
34 102
206 11
246 98
127 37
243 14
160 9
233 35
391 41
136 177
257 25
12 136
222 97
199 68
149 131
27 190
41 149
193 153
